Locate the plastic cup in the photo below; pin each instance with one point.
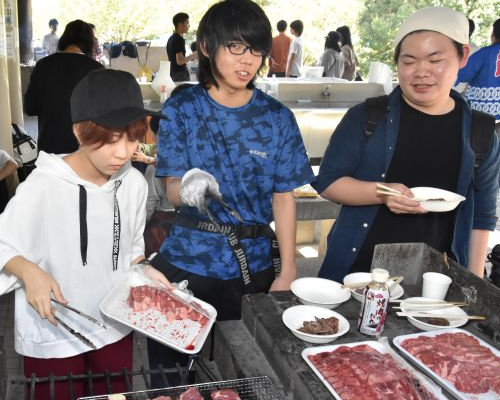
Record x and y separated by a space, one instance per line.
435 285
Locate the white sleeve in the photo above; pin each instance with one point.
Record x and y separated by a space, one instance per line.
5 158
138 242
294 47
22 230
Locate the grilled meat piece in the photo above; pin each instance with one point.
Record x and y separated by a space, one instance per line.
322 326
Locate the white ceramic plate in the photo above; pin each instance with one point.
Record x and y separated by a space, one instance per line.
451 199
319 292
294 318
356 277
456 312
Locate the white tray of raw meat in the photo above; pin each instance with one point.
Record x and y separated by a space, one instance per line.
365 370
461 365
181 322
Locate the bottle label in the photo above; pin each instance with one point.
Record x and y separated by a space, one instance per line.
373 311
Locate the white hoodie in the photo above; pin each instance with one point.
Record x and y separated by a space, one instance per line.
42 223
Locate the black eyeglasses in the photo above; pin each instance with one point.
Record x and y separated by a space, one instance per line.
239 48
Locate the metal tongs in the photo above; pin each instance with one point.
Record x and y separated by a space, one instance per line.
226 206
75 333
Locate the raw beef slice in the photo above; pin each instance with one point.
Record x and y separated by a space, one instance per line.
191 394
225 394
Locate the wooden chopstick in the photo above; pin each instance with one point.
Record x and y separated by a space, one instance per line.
445 316
414 307
395 281
388 189
437 302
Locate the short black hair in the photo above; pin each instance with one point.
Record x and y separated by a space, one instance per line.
397 51
297 26
281 25
345 35
226 21
192 46
180 18
332 40
496 30
472 27
79 33
53 21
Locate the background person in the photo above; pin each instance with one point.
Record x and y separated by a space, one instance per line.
482 74
176 49
350 59
295 54
224 138
279 51
51 83
8 166
332 59
58 235
192 65
406 150
50 40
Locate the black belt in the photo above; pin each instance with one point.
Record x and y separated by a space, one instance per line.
234 233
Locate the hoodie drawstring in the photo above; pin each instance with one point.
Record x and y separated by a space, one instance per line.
116 228
83 225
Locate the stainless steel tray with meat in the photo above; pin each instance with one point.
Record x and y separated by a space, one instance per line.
258 388
463 364
368 370
171 317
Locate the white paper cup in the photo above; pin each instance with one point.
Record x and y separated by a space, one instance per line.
435 285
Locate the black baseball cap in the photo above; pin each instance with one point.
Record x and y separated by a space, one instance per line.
110 98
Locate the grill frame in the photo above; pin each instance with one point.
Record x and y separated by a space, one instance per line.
256 388
27 385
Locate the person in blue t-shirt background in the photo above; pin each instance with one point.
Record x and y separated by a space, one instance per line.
223 138
482 73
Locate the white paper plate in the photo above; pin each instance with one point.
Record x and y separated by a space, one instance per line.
356 277
185 335
451 199
319 292
425 326
398 340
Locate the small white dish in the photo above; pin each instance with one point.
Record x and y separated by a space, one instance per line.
456 312
294 318
356 277
319 292
450 202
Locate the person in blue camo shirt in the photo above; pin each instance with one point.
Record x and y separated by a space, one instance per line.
482 73
225 138
423 140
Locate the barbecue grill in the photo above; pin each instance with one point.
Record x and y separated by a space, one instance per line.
259 388
24 387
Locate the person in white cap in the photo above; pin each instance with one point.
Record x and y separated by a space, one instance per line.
421 139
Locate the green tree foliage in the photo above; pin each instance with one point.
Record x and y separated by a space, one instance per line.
379 20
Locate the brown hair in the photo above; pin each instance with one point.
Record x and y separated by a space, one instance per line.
91 133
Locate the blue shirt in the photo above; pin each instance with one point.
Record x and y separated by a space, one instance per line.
252 151
482 73
350 153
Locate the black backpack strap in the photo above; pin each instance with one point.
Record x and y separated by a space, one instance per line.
375 109
481 138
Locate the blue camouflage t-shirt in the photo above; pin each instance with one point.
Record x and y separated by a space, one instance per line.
252 151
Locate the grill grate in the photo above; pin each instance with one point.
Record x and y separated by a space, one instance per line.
259 388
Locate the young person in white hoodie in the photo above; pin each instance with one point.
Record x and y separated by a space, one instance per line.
72 230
